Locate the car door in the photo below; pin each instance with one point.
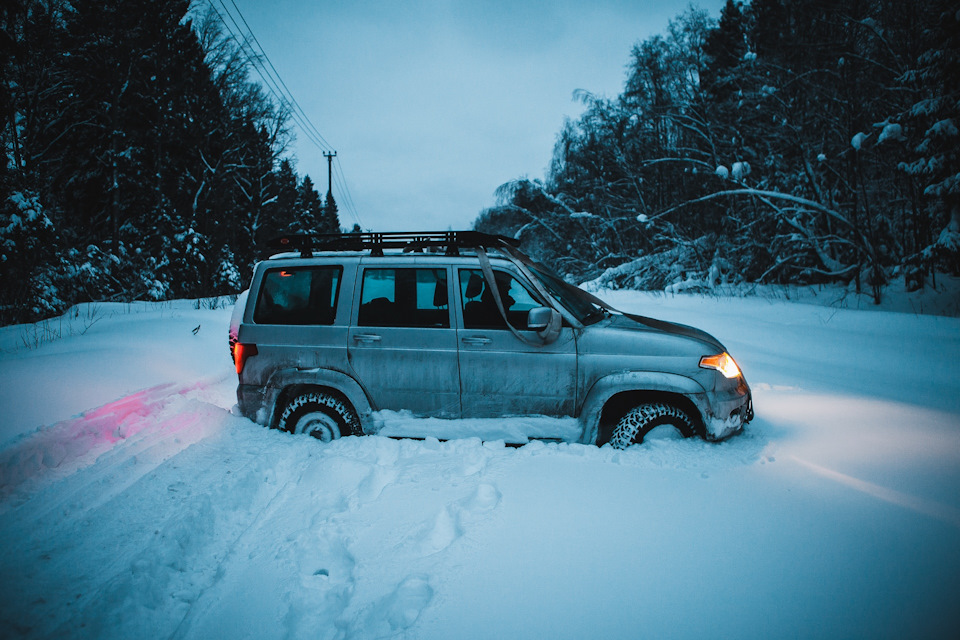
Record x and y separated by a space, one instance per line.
401 344
499 373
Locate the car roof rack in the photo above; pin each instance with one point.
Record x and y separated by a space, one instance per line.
376 242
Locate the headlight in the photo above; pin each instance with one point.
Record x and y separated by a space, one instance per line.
722 363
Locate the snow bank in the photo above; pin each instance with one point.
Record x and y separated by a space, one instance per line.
97 353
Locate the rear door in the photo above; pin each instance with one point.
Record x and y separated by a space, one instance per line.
296 321
402 345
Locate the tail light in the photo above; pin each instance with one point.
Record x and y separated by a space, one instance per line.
241 352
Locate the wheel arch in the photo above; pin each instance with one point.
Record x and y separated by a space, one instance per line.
612 396
284 386
619 404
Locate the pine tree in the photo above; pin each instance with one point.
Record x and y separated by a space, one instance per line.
724 47
310 208
287 215
933 129
331 219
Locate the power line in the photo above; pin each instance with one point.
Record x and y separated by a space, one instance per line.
284 84
272 85
280 91
341 181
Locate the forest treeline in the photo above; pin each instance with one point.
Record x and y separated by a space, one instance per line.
143 162
790 141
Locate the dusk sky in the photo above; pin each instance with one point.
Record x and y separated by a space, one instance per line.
433 104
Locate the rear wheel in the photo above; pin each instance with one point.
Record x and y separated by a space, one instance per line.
321 415
641 420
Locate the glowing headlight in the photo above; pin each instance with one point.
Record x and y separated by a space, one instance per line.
722 363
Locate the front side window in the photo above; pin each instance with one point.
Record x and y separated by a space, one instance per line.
479 307
298 295
404 298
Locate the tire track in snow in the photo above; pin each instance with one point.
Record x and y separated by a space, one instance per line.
133 520
448 489
932 508
303 549
289 547
63 448
146 536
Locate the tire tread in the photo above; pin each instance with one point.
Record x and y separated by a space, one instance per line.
635 424
350 424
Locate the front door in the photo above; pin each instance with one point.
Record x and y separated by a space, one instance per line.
501 375
401 345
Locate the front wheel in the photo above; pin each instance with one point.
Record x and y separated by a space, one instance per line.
640 420
321 415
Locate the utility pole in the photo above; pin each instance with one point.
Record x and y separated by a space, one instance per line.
330 156
330 206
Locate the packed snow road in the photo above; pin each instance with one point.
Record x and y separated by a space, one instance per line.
158 513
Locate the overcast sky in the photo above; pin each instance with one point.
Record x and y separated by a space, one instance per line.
433 104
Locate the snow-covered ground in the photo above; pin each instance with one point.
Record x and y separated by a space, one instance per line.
143 508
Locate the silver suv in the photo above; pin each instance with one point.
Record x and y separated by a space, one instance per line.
445 334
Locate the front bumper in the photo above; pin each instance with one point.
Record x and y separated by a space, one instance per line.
729 411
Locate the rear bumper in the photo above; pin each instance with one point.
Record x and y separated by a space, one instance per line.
251 401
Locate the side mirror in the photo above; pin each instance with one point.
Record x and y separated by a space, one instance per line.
546 322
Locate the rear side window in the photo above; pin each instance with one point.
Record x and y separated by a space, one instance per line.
404 298
302 296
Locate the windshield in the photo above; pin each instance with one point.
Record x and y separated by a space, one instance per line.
585 307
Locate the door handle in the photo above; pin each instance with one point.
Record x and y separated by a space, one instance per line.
366 337
475 340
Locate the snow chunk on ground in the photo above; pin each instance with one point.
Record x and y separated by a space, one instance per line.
513 429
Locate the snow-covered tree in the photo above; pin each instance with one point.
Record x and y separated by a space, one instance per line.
932 125
135 128
789 142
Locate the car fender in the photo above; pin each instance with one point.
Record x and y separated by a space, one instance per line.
608 386
338 381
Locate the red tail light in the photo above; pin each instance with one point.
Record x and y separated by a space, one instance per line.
240 354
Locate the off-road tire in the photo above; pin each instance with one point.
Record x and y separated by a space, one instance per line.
640 420
321 415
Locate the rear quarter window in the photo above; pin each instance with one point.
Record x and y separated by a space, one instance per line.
299 296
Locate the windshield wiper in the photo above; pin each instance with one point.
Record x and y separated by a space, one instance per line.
595 316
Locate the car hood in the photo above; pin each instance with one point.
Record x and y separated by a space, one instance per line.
629 321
